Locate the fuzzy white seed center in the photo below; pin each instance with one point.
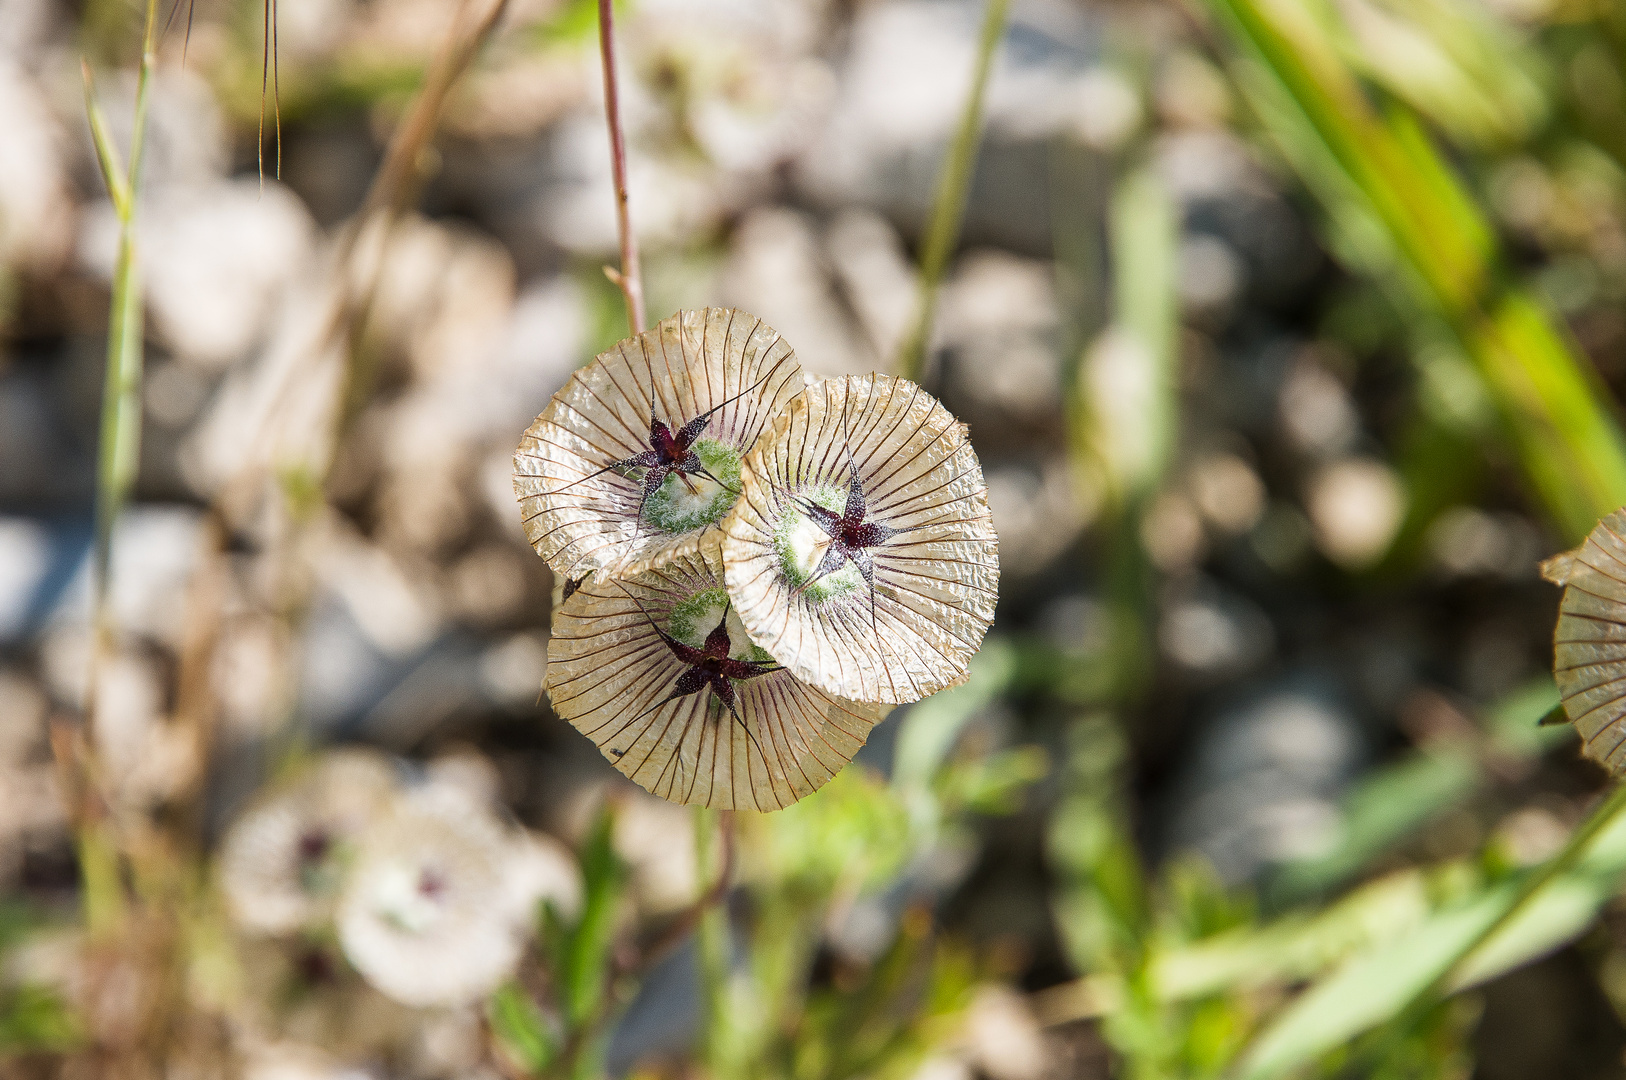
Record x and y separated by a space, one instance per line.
402 897
806 545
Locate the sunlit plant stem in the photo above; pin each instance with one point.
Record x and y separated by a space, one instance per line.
630 277
953 189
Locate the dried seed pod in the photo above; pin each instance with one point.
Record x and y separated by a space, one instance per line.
861 552
637 459
1589 645
657 670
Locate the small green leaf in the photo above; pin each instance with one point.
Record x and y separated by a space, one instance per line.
107 153
522 1028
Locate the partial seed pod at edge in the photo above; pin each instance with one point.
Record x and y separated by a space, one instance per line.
1589 643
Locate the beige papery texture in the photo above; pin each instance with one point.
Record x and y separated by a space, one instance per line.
1589 646
936 580
609 670
686 366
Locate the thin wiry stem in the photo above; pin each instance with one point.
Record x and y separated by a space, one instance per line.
630 277
953 187
270 82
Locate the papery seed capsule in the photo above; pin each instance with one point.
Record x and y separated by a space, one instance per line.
657 670
862 552
1589 644
637 459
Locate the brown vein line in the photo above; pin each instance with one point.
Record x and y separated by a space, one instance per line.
1617 662
1605 571
596 652
816 719
772 404
881 480
1612 725
869 427
934 441
1598 596
643 691
972 468
639 438
926 617
705 364
699 761
609 677
585 435
766 728
644 699
675 417
1604 524
1602 704
826 442
676 757
654 743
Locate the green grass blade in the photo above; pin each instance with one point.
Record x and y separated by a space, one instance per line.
1492 932
119 445
953 187
107 152
1404 218
1125 414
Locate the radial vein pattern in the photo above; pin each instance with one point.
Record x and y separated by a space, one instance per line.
1589 654
876 468
614 673
609 478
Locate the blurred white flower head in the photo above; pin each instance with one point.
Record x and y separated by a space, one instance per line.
439 901
282 863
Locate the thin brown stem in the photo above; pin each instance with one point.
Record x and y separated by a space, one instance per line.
631 276
684 925
639 962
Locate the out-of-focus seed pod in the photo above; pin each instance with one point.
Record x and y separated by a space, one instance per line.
637 458
645 666
1589 645
428 915
283 860
862 553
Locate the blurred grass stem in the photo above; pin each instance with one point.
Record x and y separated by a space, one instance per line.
119 445
953 189
630 278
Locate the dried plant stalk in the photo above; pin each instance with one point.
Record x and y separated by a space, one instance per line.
896 614
591 501
613 673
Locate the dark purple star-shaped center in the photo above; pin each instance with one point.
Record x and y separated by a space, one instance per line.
670 452
851 535
708 666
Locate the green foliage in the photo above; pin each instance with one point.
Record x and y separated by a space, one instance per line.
34 1019
584 955
1398 212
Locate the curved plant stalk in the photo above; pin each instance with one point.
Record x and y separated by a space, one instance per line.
118 459
630 278
953 188
119 446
